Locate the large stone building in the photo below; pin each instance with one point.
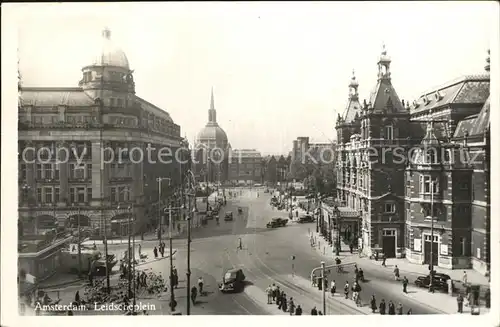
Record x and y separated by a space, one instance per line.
88 128
275 169
245 166
211 154
450 170
396 159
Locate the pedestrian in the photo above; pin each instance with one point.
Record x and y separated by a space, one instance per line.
162 250
291 304
200 285
460 303
320 313
298 311
139 249
279 298
400 309
333 288
464 278
346 290
351 247
273 292
314 311
70 313
155 252
240 245
383 260
77 297
373 303
194 293
392 309
405 284
409 312
284 305
396 273
381 307
269 293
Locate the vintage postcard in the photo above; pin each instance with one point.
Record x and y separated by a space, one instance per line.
289 159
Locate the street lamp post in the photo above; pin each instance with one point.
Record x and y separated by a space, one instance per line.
191 213
431 265
79 247
323 287
160 231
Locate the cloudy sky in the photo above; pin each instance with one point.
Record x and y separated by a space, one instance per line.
279 70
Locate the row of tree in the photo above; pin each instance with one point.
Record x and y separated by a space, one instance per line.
315 177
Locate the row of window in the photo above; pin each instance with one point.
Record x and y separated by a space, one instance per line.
125 121
70 119
75 171
51 194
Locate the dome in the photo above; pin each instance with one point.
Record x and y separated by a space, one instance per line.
110 54
212 133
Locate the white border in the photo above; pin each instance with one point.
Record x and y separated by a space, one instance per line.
11 18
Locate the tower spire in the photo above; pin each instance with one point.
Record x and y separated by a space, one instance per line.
212 117
212 102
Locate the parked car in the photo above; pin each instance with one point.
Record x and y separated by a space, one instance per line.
439 281
232 281
228 216
277 222
306 219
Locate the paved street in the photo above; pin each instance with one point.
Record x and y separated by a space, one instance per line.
265 259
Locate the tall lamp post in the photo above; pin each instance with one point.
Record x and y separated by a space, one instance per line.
160 231
431 265
129 256
191 181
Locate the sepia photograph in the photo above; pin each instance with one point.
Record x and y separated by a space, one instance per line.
250 158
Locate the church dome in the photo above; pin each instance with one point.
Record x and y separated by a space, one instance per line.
212 133
109 54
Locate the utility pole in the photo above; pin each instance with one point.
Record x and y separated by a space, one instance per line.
188 272
323 287
133 264
129 270
79 247
160 231
431 266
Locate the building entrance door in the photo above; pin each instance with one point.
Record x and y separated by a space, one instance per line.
389 243
427 250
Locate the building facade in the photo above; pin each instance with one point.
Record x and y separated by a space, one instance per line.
80 149
275 169
450 173
245 166
418 173
307 157
211 150
369 178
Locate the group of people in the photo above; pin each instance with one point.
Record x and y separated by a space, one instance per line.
391 309
278 296
161 249
195 291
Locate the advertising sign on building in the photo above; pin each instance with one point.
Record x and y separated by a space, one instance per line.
417 244
444 249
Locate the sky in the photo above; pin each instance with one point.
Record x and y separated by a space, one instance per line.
279 70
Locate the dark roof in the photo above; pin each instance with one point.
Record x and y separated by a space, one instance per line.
353 107
466 89
384 96
465 125
148 106
482 123
52 96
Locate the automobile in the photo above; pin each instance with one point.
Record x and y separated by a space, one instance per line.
277 222
439 281
306 219
232 281
228 216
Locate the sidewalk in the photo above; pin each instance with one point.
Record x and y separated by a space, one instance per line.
439 301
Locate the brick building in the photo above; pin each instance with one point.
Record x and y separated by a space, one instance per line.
452 167
275 169
395 160
245 166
